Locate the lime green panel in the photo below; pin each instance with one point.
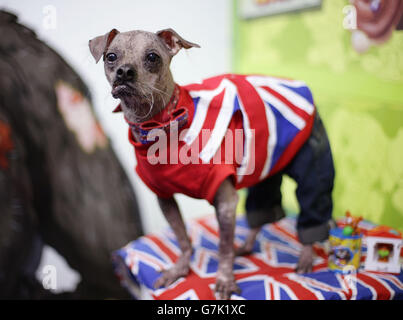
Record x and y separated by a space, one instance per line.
360 98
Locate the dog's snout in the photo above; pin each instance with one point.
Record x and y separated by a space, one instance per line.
126 73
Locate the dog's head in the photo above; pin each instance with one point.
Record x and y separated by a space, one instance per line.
137 66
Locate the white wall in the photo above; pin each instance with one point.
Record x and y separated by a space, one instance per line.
206 22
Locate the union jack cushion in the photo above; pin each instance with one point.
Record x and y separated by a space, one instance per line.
267 274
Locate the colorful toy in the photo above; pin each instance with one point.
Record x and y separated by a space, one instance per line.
383 250
351 225
345 242
345 250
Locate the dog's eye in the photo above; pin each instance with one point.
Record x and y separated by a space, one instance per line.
152 57
111 57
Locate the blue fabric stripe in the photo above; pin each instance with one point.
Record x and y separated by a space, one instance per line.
253 290
284 295
302 91
286 133
236 104
195 103
363 292
140 245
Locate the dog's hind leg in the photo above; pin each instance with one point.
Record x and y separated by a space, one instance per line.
263 206
247 247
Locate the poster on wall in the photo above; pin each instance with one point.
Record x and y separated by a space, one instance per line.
250 9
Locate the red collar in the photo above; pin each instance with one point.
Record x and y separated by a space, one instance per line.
162 120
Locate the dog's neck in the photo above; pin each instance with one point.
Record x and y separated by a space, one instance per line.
172 91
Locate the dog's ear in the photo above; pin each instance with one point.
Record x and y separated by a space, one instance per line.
99 45
174 42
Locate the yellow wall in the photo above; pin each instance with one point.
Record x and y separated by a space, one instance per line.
360 98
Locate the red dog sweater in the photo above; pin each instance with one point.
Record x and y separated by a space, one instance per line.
244 127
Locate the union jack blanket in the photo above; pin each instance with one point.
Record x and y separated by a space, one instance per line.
267 274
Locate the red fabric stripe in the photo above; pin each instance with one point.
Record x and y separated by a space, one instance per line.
293 147
283 99
193 281
208 228
382 292
163 247
271 291
299 290
284 231
255 111
207 84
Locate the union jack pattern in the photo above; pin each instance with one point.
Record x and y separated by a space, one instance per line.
266 274
277 118
260 121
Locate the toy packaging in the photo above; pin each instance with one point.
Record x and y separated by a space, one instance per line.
383 250
383 247
345 250
345 243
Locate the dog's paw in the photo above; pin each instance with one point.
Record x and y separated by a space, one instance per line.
179 270
305 262
168 277
225 287
303 268
243 251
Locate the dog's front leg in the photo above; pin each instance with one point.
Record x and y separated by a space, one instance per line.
225 204
171 212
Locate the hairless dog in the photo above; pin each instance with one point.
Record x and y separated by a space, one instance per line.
137 66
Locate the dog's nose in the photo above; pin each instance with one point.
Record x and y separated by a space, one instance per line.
126 73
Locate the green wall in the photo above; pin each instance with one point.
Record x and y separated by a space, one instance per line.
360 98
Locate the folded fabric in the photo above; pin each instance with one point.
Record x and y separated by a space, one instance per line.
266 274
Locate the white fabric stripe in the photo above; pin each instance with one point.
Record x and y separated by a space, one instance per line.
271 144
296 99
261 81
285 111
201 112
221 124
290 83
247 144
197 122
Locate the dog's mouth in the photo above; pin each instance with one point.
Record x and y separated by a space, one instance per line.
120 90
132 97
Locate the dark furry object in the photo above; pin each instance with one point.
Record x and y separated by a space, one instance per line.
51 190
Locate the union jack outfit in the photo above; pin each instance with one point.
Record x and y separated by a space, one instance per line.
249 128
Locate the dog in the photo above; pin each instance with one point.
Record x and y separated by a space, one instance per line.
284 136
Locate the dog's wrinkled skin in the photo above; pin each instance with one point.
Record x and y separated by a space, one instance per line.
144 84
